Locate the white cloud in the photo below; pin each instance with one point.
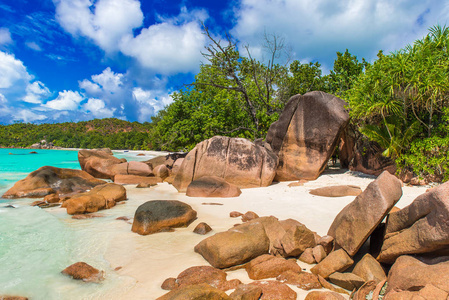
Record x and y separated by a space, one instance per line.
103 21
167 47
66 100
36 92
98 108
26 116
34 46
318 28
150 102
5 36
12 70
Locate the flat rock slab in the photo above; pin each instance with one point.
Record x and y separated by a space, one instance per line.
160 215
337 191
337 261
355 223
212 186
369 269
269 266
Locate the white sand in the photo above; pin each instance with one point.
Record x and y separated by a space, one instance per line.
146 261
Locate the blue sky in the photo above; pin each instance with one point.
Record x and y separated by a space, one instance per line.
73 60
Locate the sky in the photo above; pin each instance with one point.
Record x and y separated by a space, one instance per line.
76 60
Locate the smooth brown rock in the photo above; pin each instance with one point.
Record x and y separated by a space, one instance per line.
366 289
161 172
134 179
9 297
159 215
274 231
195 292
50 180
337 261
238 161
337 191
235 214
307 256
83 271
144 185
318 253
275 290
139 168
354 224
408 273
297 239
306 134
348 281
212 186
303 280
52 198
246 292
421 227
202 228
268 266
100 197
327 285
169 284
98 163
249 215
317 295
236 246
369 269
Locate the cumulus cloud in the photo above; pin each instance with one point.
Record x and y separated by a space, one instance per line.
12 71
66 100
27 115
105 22
36 92
150 102
5 36
316 29
98 109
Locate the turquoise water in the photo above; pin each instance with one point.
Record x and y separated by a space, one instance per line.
36 244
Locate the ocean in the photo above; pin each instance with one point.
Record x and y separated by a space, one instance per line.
37 244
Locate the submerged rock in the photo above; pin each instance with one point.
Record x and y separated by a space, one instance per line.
83 271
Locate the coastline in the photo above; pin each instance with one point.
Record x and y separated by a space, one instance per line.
144 262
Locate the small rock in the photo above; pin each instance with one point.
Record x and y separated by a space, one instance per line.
275 290
348 281
297 239
202 228
235 214
144 185
169 284
52 198
366 289
83 271
307 256
248 216
327 242
337 261
8 297
268 266
369 269
303 280
246 292
123 218
317 295
196 291
318 253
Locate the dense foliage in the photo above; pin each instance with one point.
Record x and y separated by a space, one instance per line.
111 133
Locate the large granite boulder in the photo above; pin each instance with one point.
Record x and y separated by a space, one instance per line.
421 227
49 180
411 274
238 161
100 197
306 134
160 215
354 224
236 246
212 186
369 269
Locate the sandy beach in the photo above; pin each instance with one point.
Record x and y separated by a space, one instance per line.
142 263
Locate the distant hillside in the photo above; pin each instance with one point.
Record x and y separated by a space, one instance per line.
112 133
